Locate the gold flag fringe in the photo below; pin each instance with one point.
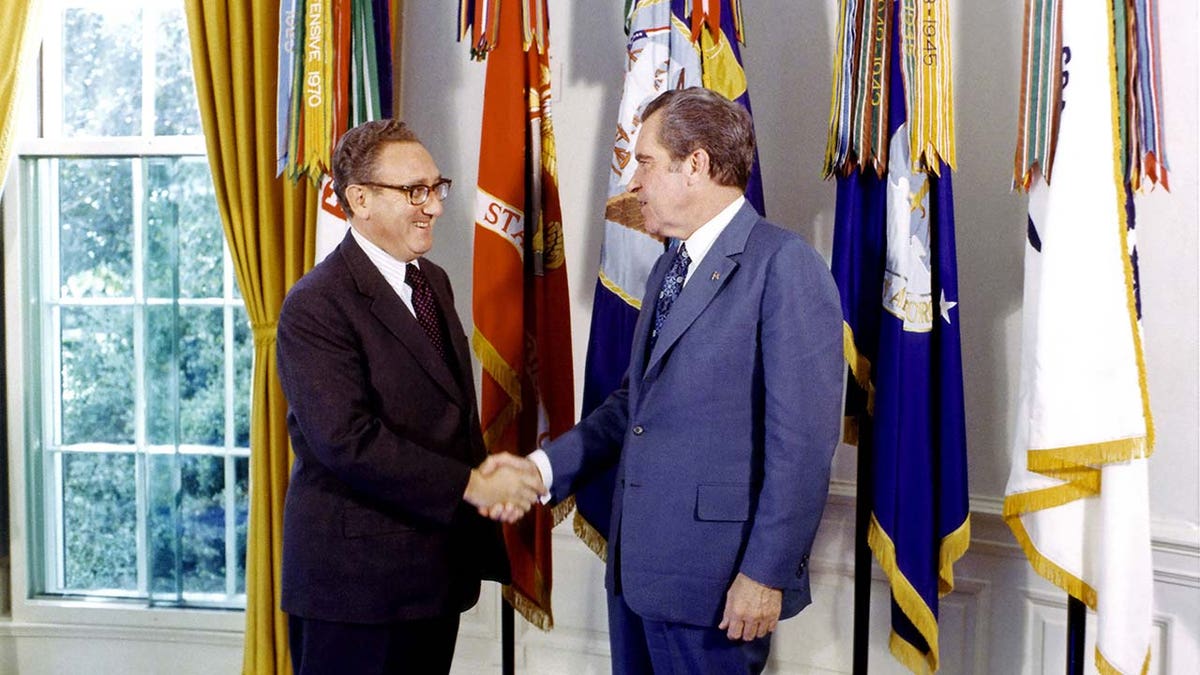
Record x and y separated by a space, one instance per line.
528 609
590 536
562 509
620 292
1106 668
1048 569
952 547
909 656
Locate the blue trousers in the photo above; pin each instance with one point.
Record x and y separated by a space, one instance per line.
644 647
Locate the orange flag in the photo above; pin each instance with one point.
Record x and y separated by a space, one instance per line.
520 303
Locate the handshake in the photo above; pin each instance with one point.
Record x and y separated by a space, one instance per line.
505 487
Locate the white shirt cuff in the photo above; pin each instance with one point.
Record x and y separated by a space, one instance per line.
542 461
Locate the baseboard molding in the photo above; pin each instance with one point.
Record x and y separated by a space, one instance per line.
18 630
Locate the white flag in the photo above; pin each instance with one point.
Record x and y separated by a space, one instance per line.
331 221
1077 496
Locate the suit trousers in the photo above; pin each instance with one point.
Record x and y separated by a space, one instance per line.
416 647
641 646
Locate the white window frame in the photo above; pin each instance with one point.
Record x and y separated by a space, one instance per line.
67 616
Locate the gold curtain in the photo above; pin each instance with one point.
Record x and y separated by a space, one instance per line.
269 224
15 32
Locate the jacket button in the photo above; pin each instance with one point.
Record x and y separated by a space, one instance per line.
638 430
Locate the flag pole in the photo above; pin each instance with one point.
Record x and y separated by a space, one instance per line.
507 635
1076 631
862 562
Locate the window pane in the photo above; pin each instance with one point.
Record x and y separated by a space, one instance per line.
201 376
99 521
241 517
183 229
243 373
162 229
162 495
102 71
161 375
202 511
201 238
188 546
96 224
97 371
176 110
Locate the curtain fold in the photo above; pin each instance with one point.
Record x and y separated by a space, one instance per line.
16 38
269 225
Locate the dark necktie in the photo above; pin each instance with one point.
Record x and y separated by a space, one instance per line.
425 307
671 286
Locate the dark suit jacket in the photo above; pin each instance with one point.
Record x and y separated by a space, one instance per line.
723 434
385 434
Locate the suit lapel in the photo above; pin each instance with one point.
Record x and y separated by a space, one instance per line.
708 280
454 333
389 309
641 329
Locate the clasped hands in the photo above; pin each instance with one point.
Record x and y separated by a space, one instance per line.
504 487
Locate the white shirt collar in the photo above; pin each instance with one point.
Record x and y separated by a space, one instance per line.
393 270
702 240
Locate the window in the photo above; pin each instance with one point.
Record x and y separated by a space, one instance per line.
138 349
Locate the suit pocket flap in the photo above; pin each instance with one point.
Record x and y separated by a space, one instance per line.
723 502
360 522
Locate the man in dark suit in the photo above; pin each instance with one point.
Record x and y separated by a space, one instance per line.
384 545
725 426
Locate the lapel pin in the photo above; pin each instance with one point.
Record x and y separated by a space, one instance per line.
716 276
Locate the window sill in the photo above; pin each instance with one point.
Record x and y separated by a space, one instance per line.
100 618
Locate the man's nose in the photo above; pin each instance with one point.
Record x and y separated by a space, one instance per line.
433 205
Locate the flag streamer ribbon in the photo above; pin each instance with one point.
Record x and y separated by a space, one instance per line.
1041 95
1138 90
925 25
858 123
334 73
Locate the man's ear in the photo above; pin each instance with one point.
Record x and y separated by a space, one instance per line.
697 165
357 196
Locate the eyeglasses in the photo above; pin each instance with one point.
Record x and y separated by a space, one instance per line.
419 194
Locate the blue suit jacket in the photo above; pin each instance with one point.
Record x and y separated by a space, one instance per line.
724 433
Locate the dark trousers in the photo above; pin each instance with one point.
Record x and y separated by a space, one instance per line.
644 647
418 647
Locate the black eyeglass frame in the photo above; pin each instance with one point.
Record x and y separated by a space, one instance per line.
418 193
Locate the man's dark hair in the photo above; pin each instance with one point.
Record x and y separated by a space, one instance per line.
357 153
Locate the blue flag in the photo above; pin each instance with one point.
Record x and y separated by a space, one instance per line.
660 55
894 261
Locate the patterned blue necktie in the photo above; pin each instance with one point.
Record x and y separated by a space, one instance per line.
671 286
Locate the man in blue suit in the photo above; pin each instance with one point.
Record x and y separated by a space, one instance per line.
725 425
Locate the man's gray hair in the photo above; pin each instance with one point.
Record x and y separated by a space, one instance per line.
698 118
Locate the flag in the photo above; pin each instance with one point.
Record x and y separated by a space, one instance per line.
335 72
895 265
520 299
1077 497
667 49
